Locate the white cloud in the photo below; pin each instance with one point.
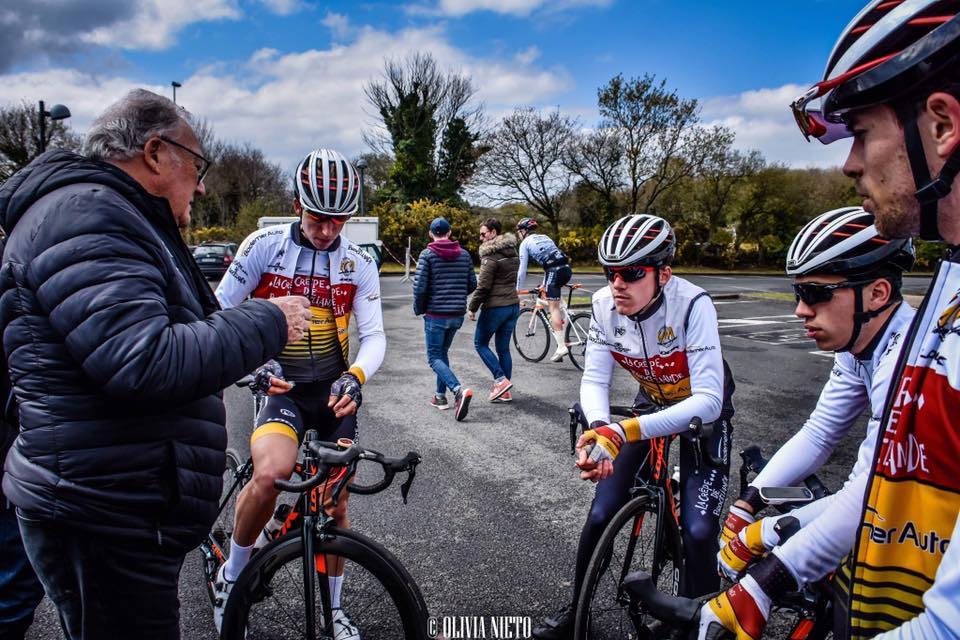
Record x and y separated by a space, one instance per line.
339 25
283 7
528 56
156 23
286 104
762 120
458 8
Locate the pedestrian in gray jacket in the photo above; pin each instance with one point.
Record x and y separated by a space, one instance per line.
444 279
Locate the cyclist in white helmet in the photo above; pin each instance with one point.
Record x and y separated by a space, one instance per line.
663 330
847 280
556 273
314 385
892 83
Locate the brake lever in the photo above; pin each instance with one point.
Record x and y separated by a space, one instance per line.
414 460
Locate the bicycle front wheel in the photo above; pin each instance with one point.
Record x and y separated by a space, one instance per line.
377 593
531 336
577 331
216 548
634 540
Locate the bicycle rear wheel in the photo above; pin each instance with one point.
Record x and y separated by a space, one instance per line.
577 331
629 543
531 336
377 594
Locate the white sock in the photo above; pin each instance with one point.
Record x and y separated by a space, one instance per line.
239 556
336 582
561 340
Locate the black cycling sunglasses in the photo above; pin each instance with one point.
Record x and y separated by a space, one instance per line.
813 293
629 274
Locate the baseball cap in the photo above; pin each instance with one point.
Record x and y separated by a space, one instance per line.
439 227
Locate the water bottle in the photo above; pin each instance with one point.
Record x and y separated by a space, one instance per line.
271 528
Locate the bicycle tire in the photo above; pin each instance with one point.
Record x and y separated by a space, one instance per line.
393 606
222 529
577 340
603 609
527 334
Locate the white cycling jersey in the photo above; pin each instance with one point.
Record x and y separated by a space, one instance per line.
339 282
673 352
854 384
544 252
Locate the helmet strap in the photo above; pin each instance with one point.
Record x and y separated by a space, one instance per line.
862 317
929 191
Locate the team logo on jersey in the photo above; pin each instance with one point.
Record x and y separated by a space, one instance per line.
347 266
948 319
619 331
665 336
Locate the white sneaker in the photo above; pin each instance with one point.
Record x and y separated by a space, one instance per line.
343 627
559 354
221 591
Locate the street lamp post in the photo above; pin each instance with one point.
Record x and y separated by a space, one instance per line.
57 112
362 165
175 85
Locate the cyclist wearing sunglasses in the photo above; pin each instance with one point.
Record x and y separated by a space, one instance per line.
663 330
556 273
892 82
308 258
847 281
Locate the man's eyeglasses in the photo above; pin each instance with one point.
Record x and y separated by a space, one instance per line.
204 163
322 217
629 274
812 293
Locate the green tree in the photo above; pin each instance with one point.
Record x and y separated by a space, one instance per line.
239 175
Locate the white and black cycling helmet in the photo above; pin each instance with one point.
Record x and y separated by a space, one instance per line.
891 53
527 224
846 242
637 240
326 183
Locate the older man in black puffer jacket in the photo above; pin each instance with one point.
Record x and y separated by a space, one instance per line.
445 277
117 351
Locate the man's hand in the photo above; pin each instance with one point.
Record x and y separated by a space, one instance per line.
737 518
268 379
740 612
345 396
751 544
596 450
297 311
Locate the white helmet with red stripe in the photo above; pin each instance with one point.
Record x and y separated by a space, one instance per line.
326 183
637 240
894 52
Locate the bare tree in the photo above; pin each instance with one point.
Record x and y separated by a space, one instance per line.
662 142
20 137
595 158
722 170
525 162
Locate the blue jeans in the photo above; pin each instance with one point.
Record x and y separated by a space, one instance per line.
439 333
20 588
497 321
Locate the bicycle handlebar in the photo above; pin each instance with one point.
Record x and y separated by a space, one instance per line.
329 457
666 608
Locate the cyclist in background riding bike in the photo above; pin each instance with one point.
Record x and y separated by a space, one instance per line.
556 273
847 280
310 258
663 330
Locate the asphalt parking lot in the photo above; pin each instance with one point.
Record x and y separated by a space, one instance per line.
496 510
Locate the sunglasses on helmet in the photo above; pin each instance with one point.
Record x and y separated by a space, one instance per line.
812 293
629 274
812 122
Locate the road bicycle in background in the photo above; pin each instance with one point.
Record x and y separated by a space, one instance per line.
283 592
532 332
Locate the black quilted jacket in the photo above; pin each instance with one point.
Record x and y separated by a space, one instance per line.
117 351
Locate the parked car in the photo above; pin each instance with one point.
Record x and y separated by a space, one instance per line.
214 258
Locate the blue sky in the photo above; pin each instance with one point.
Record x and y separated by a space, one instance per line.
287 75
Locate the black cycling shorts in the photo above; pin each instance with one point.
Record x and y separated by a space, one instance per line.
554 278
302 408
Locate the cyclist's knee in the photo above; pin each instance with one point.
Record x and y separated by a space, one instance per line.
701 531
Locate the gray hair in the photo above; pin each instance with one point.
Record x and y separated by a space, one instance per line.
123 129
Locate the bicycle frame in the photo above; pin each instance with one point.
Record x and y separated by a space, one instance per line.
540 308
